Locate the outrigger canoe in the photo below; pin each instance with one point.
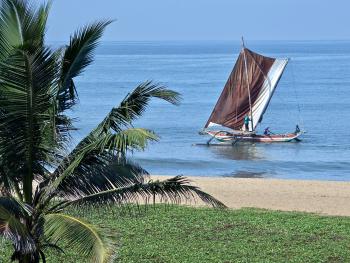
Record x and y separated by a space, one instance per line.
228 137
244 100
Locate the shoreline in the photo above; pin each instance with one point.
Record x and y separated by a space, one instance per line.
314 196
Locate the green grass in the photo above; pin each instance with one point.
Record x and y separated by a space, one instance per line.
183 234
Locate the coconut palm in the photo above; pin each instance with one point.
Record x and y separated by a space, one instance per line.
41 173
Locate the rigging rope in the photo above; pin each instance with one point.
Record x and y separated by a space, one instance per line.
300 119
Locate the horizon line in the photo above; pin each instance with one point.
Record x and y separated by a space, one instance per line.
216 40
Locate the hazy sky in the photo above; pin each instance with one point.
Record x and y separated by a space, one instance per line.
206 19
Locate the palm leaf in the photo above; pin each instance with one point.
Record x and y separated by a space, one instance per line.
76 57
174 190
16 207
32 22
133 106
10 28
21 25
129 139
120 117
26 120
103 175
12 214
97 155
86 239
101 139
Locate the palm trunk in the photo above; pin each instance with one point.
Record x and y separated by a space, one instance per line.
29 258
27 189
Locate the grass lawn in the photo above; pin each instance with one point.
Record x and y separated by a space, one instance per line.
184 234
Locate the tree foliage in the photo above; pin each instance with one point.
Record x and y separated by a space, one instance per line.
39 175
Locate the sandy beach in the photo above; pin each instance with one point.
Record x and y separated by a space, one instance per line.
321 197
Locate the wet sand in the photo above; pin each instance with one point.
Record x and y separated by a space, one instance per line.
321 197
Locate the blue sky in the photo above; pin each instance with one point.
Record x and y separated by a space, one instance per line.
205 19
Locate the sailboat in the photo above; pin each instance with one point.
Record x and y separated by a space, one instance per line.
244 100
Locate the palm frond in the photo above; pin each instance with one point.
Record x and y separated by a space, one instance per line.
16 207
96 155
101 176
76 57
129 139
41 16
133 106
10 28
102 139
86 239
21 25
12 228
174 190
33 22
25 105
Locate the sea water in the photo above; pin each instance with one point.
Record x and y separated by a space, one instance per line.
314 92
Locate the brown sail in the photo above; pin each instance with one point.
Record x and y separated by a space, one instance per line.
246 80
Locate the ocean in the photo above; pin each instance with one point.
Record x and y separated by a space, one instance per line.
314 92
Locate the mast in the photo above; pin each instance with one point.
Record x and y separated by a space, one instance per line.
246 74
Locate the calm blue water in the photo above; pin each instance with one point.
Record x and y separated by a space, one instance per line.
317 78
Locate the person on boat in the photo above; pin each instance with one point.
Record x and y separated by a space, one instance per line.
246 123
267 131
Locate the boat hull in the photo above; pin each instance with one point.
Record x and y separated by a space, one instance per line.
227 137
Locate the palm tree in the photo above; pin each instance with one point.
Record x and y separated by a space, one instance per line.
39 176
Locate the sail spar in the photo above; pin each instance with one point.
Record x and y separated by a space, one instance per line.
247 91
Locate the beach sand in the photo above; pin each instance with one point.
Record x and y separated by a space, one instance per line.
321 197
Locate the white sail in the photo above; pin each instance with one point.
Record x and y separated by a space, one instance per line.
271 80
